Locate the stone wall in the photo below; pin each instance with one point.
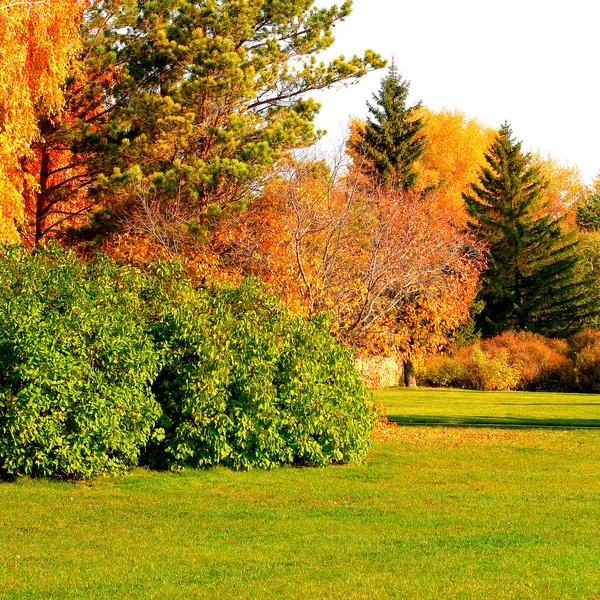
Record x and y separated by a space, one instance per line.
380 371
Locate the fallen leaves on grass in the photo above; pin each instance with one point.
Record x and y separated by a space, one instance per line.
389 432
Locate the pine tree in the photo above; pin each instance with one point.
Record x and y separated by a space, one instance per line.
531 279
392 142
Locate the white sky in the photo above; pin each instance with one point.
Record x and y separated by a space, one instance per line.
533 63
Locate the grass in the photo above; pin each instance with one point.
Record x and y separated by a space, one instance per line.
505 408
434 513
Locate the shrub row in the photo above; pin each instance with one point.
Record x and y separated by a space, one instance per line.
523 361
103 367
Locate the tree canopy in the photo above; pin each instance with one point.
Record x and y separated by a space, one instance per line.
391 141
37 41
531 281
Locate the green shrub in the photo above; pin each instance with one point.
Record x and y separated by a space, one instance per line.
246 384
75 365
493 371
99 362
444 371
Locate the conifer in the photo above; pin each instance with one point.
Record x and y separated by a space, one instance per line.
531 281
392 141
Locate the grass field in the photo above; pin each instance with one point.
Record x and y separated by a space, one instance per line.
434 513
507 408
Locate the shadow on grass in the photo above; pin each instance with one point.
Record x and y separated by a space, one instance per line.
482 421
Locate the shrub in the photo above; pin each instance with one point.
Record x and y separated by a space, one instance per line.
444 371
473 369
493 371
585 348
87 349
587 363
525 361
75 365
542 362
246 384
583 339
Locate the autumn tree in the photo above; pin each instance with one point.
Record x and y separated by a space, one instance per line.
175 106
37 42
450 163
530 282
393 273
391 141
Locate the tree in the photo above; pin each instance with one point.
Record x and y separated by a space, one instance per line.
37 42
394 274
588 213
205 98
530 282
588 209
391 141
77 146
453 155
176 105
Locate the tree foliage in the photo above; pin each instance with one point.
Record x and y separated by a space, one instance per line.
454 153
389 267
178 105
530 282
37 41
391 141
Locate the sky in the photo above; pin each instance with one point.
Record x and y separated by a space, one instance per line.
533 63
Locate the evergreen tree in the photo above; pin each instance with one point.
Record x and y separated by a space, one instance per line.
392 142
175 106
531 279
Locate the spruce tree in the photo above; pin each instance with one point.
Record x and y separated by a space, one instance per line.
531 280
392 142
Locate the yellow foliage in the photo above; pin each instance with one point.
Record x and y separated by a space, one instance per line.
565 190
455 152
37 41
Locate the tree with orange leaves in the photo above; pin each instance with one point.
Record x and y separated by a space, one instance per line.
395 275
37 41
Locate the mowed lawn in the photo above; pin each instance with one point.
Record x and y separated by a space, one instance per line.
424 405
433 513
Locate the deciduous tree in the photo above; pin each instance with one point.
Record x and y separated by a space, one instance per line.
394 273
37 41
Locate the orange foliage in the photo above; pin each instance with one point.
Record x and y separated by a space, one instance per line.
542 362
37 41
565 190
390 268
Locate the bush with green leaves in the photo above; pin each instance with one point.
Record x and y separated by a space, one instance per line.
76 365
245 383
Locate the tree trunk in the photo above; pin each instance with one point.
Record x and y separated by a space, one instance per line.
41 199
410 379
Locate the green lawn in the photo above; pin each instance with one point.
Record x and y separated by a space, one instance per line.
434 513
507 408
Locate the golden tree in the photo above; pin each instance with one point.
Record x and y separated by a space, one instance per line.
37 41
